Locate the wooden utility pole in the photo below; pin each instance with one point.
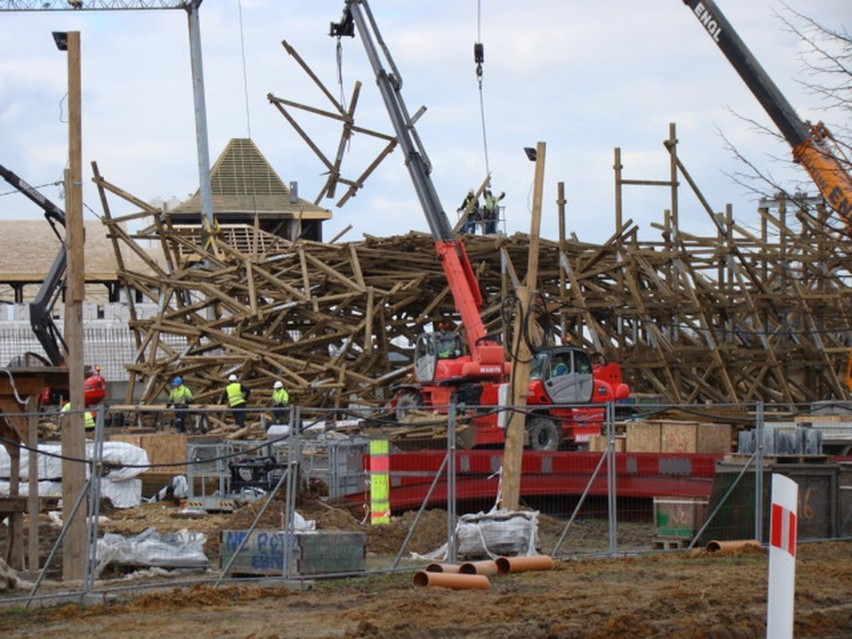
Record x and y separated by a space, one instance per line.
73 437
560 209
514 448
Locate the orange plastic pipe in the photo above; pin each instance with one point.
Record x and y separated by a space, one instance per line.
456 581
738 544
486 567
506 565
443 568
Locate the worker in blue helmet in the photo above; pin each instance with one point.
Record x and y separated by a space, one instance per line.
180 397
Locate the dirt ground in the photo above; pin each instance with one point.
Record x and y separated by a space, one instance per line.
683 595
687 594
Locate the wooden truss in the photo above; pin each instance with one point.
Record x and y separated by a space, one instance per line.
346 117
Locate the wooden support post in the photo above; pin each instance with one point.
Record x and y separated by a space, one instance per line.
15 551
560 207
617 168
514 448
32 483
672 146
73 440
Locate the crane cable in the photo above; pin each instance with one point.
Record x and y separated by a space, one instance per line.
245 72
248 111
479 60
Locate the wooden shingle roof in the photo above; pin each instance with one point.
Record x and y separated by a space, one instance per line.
244 183
28 248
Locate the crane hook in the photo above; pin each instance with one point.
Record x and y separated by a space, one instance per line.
479 58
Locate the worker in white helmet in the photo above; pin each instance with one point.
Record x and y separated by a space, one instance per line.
280 400
236 396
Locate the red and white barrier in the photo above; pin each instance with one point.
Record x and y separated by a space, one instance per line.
782 558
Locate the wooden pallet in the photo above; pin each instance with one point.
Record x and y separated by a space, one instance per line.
662 542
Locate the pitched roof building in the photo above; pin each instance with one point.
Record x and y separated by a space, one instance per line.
245 188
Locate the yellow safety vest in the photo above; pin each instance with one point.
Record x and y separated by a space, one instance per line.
180 395
280 397
235 394
88 420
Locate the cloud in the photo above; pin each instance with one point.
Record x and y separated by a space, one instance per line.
584 77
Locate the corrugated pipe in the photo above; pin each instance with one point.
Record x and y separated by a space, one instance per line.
506 565
456 581
486 567
738 544
443 568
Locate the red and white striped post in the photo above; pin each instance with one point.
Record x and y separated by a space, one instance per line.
782 558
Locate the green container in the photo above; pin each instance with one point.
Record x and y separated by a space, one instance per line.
678 516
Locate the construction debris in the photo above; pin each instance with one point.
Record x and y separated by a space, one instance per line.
726 319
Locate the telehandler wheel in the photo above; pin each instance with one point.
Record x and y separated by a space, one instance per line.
544 433
407 402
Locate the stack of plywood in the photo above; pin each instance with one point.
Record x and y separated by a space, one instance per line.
665 436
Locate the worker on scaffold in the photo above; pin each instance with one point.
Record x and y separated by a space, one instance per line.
491 211
470 209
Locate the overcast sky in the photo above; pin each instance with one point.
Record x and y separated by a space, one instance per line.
583 76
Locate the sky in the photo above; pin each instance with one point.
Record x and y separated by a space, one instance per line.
581 76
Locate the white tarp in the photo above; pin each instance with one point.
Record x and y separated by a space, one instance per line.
182 549
120 484
116 456
126 493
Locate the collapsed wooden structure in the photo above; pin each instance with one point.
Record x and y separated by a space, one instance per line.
727 319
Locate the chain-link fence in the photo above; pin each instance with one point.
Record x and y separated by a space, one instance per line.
322 494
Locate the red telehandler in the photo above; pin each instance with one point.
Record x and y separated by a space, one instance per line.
444 372
41 317
812 144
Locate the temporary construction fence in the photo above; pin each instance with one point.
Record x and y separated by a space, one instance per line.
647 483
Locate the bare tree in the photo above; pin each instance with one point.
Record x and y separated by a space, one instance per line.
826 73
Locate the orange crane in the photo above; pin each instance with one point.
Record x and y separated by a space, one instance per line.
812 144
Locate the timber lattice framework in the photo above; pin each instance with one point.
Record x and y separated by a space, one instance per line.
725 319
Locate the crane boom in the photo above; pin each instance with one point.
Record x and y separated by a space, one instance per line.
808 143
41 319
454 260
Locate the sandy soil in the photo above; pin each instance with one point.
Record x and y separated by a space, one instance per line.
679 595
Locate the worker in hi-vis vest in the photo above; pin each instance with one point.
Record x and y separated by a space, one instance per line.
236 396
280 400
89 421
179 397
